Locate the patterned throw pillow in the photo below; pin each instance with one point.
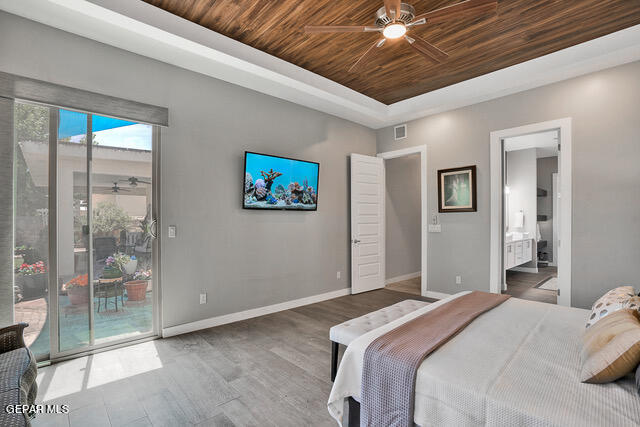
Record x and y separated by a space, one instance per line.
614 300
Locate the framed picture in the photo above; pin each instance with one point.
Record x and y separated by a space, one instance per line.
457 189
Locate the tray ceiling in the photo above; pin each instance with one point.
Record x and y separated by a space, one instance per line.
521 30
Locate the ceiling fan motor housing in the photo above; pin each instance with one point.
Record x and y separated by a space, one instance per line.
407 13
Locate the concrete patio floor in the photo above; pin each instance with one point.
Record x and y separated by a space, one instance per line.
135 318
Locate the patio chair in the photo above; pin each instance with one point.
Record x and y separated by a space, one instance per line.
108 288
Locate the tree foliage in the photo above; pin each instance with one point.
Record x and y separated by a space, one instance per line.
31 123
108 217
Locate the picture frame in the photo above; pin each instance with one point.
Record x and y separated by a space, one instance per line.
457 189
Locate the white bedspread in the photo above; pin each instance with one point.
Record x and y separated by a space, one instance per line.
517 364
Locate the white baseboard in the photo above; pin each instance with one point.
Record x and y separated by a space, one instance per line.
437 295
403 277
248 314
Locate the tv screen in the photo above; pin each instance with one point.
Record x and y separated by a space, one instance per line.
272 182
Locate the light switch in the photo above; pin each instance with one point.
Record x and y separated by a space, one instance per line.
172 232
435 228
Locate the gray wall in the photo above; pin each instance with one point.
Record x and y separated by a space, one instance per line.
243 259
606 178
547 166
402 206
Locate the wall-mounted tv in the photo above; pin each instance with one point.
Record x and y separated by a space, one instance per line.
272 182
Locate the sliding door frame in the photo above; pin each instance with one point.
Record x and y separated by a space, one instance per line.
54 312
54 96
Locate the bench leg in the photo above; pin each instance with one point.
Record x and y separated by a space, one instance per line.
334 359
354 412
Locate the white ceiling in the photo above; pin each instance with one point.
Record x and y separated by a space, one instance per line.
146 30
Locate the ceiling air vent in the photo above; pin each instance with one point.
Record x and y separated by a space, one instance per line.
400 132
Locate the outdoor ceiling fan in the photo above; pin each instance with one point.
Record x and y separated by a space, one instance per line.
395 19
117 189
133 181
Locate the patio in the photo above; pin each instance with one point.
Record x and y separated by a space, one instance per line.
134 318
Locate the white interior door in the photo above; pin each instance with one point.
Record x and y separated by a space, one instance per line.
367 223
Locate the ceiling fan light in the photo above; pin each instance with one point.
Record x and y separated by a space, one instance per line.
394 31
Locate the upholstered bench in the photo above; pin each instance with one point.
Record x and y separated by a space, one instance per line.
346 332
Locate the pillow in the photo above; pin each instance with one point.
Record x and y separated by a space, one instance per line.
611 347
614 300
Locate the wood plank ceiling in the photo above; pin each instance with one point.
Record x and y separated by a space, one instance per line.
521 30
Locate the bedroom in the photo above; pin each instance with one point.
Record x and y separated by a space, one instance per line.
218 361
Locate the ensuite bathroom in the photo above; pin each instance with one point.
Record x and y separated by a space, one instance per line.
531 220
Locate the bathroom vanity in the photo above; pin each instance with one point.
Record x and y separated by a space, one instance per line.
517 252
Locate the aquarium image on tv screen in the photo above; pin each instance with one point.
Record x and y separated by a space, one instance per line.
272 182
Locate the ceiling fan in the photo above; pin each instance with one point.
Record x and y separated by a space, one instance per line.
133 181
395 19
116 188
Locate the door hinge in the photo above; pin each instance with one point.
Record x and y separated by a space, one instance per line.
559 147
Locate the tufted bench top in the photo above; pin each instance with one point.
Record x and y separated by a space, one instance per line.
346 332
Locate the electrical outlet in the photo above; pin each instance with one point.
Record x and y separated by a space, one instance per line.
338 274
458 280
203 298
171 232
434 218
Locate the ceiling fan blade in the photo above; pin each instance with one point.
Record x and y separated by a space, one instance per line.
392 7
367 55
465 8
427 49
339 29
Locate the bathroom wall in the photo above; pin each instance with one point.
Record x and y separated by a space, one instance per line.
522 181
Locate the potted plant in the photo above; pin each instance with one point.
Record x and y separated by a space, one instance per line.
137 287
123 263
77 290
32 278
112 269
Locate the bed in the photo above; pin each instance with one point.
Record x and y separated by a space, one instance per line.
517 364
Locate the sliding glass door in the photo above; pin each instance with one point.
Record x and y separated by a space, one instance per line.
31 225
100 202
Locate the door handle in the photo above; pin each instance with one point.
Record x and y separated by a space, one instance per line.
153 229
355 241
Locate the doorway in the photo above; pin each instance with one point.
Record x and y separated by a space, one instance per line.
402 224
84 224
530 171
368 219
530 162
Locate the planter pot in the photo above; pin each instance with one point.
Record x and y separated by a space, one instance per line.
130 267
78 295
33 285
136 290
111 272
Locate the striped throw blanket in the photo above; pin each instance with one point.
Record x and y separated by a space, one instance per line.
392 360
